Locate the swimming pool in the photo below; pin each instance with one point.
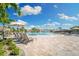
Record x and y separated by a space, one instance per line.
39 33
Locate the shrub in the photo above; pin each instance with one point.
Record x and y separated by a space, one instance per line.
11 47
15 51
1 45
1 40
2 52
8 41
35 30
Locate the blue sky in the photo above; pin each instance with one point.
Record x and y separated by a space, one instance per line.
48 15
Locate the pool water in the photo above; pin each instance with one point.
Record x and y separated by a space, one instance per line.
39 33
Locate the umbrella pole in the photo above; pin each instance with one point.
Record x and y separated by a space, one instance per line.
17 33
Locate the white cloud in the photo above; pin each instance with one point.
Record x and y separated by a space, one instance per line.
38 26
78 15
52 24
49 20
66 17
48 24
55 6
56 23
21 21
67 24
28 10
32 26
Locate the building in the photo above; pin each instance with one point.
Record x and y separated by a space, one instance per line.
75 29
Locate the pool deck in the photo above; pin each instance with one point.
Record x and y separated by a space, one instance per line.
52 45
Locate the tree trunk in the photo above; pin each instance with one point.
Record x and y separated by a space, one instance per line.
3 31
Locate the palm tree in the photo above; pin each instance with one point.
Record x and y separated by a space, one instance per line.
4 19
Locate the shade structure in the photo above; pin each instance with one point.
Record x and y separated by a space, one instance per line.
18 23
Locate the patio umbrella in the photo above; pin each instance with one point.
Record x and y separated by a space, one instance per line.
13 23
18 23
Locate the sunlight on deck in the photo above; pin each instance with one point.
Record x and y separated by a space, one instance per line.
52 45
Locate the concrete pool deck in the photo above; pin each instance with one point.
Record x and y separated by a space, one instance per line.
52 45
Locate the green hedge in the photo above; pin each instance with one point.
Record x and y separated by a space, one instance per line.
2 52
11 47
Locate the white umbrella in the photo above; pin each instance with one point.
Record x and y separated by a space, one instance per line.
18 23
13 23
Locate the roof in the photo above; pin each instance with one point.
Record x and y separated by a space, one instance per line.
75 27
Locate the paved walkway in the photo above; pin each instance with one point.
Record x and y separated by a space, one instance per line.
61 45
